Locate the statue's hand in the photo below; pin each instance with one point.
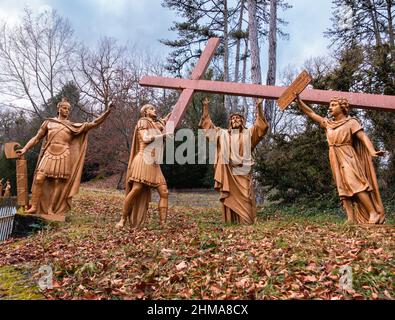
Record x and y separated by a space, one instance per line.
206 101
21 152
297 97
380 153
168 116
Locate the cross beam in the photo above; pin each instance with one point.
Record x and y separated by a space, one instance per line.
187 93
195 84
358 100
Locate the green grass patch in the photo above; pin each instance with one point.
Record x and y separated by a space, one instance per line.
17 285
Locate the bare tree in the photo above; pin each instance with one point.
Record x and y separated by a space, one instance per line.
99 72
369 21
107 73
33 58
272 67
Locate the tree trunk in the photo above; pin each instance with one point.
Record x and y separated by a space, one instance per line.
239 30
226 50
256 76
244 76
271 73
375 23
391 26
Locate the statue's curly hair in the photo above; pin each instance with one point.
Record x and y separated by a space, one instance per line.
65 101
344 104
144 108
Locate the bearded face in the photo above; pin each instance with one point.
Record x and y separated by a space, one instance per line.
236 121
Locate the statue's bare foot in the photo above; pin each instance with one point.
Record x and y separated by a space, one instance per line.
120 224
50 211
374 218
350 222
382 219
162 225
32 210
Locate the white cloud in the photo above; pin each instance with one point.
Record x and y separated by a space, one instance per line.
44 8
11 11
145 22
308 20
115 7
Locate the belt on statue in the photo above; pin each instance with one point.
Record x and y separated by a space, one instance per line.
340 144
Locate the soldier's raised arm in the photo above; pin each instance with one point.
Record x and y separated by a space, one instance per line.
99 120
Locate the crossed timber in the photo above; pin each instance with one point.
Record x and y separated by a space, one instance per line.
195 84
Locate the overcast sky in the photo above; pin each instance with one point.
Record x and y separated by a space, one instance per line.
144 22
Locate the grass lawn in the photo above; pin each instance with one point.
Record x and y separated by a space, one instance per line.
285 255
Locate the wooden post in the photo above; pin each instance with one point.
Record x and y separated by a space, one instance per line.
21 173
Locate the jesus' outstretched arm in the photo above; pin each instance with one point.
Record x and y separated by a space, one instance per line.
205 121
260 127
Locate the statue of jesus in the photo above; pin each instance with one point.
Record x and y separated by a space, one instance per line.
233 162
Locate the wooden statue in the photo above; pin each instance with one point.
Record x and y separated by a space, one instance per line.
350 155
233 174
143 173
7 192
59 167
1 187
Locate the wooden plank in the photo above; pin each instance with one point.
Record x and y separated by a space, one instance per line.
9 150
186 96
205 58
179 110
357 100
297 86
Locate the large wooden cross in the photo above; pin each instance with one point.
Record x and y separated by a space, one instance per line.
189 86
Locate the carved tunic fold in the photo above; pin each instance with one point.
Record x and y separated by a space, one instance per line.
62 156
233 169
144 167
348 173
352 166
55 162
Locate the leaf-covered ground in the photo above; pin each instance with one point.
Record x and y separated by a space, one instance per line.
283 256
